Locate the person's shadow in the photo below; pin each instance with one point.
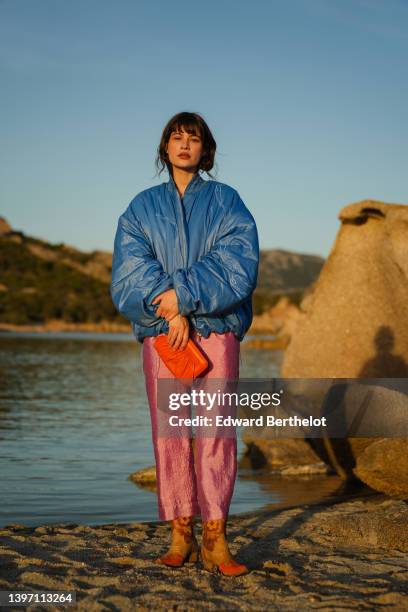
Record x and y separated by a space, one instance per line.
384 364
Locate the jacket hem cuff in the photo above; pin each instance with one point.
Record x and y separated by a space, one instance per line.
164 285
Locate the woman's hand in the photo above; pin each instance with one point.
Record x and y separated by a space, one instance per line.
179 329
168 307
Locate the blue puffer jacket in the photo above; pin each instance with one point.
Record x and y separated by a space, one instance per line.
204 245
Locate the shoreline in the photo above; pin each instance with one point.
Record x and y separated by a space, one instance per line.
52 326
103 327
339 554
360 493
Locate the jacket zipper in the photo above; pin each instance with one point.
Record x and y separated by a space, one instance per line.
183 230
184 245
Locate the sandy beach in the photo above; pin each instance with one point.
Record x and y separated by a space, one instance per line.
339 555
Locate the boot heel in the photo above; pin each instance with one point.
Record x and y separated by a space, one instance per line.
193 557
210 567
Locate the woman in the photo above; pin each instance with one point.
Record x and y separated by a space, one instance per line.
185 264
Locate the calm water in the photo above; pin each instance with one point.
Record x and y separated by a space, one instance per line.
74 423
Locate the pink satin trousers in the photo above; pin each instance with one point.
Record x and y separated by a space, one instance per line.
204 484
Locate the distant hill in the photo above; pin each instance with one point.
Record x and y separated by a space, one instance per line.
284 273
40 281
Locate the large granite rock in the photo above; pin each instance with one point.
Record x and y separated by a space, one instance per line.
356 322
358 415
356 326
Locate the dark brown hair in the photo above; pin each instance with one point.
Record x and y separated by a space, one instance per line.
192 123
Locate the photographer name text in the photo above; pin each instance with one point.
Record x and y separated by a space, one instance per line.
228 421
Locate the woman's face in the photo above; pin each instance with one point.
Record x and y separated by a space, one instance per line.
184 150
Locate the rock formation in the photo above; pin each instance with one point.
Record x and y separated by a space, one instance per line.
356 326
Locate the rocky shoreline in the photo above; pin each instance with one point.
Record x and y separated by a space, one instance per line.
337 555
279 322
105 327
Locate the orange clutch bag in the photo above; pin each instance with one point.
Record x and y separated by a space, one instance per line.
183 363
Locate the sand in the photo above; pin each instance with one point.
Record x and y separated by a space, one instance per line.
347 555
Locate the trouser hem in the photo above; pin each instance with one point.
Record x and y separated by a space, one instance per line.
168 514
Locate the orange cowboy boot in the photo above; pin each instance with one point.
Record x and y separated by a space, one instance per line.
184 546
215 553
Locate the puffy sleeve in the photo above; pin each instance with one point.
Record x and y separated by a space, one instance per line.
227 275
137 277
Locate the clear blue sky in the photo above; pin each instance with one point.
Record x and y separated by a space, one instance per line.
307 100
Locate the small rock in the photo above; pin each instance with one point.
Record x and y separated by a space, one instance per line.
145 476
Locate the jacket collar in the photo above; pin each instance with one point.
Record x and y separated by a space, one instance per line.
194 185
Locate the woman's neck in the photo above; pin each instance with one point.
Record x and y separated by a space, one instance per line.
182 179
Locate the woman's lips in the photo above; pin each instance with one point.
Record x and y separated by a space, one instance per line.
184 155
